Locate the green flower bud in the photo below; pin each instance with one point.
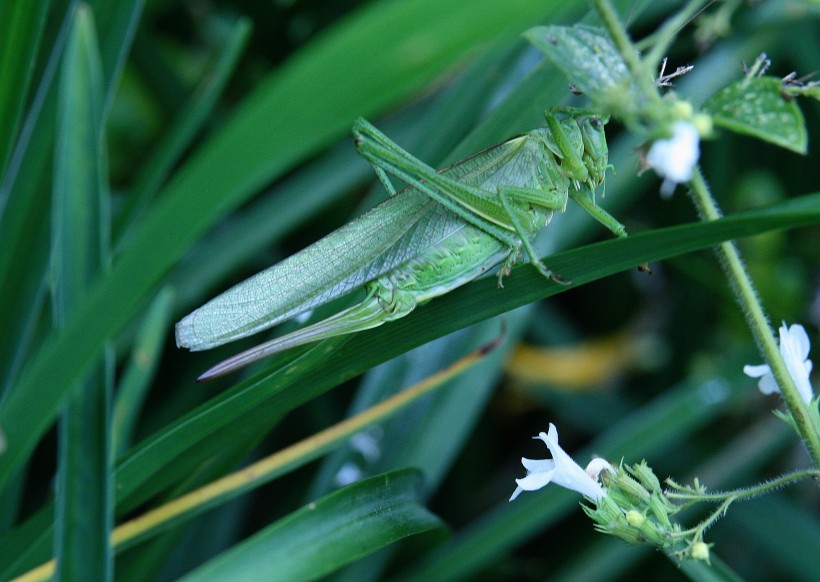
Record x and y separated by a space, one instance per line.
635 518
645 476
700 551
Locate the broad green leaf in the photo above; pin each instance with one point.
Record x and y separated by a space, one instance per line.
759 107
328 533
591 62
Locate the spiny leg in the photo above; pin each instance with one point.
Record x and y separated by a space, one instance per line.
605 218
549 199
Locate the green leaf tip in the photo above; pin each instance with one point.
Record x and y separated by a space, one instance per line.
758 107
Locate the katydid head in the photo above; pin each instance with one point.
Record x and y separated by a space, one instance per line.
577 139
596 151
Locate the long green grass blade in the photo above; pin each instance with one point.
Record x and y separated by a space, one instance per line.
135 382
21 27
79 251
25 188
117 20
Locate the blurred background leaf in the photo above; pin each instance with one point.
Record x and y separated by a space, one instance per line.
226 140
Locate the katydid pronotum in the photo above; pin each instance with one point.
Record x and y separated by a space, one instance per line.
447 228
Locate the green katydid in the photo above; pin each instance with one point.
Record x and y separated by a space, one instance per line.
447 228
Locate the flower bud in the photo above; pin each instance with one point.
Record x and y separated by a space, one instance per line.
700 551
645 476
635 518
704 124
682 110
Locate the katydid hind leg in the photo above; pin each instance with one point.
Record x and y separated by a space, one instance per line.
446 191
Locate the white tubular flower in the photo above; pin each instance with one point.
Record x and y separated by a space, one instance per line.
794 347
561 470
674 158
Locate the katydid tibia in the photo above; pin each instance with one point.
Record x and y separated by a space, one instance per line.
447 228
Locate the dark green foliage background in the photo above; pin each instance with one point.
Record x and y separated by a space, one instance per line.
226 149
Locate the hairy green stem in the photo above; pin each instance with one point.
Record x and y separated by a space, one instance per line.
746 492
633 60
747 297
726 498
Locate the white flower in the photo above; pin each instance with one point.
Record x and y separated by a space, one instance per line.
674 158
794 347
561 470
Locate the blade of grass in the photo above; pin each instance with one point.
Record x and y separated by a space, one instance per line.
187 124
139 373
117 22
284 461
84 512
21 28
24 201
24 188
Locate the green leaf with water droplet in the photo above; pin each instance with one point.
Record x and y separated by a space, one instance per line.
759 107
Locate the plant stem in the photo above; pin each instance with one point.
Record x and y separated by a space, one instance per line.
745 492
633 60
747 297
726 499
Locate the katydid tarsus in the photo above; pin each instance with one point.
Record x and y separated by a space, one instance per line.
447 228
